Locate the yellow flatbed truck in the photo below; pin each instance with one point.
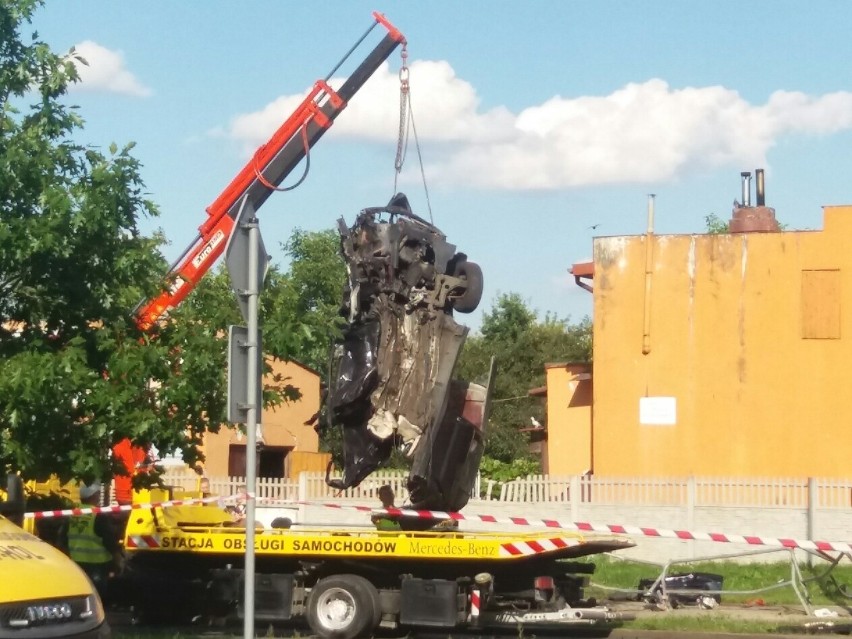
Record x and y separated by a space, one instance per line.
187 561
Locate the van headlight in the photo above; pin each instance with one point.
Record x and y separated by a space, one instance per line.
94 609
78 614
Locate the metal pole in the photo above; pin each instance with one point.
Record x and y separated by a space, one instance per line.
251 423
813 498
745 179
649 269
760 188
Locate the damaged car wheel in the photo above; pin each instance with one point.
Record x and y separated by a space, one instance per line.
471 274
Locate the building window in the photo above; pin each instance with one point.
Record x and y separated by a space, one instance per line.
270 461
821 304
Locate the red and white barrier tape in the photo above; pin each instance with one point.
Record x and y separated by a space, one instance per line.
95 510
751 540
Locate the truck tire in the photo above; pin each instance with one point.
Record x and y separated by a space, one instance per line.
470 298
343 607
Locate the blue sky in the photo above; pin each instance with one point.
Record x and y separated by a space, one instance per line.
541 124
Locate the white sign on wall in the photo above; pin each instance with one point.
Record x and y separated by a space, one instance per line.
658 411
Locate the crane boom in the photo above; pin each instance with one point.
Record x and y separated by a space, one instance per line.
264 172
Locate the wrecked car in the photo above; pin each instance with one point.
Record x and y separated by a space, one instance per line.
391 383
684 589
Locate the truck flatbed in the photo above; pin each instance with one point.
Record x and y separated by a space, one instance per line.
344 543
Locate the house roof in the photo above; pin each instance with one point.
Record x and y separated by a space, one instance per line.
299 364
566 364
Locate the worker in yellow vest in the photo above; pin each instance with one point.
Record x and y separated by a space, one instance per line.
91 540
383 521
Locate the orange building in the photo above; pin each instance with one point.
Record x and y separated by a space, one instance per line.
714 355
290 444
569 448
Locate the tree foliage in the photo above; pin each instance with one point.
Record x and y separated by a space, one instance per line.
76 373
715 225
309 311
303 308
72 261
521 344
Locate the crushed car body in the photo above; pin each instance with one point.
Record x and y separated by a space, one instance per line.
391 382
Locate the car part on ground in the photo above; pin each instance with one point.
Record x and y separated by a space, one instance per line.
685 589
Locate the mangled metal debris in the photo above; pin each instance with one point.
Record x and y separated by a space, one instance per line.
391 385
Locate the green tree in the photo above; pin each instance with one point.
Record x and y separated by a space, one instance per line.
76 374
303 308
521 344
715 225
71 258
299 305
309 309
299 309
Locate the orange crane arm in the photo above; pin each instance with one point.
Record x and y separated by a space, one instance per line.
271 163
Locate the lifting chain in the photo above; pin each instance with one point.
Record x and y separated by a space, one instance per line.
406 125
402 138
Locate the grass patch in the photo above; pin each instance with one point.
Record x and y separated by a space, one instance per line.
710 623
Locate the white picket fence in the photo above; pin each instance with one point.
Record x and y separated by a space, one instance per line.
691 491
309 486
698 491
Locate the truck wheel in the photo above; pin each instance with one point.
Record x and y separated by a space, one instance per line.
470 298
343 607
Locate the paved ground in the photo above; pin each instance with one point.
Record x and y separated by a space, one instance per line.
793 619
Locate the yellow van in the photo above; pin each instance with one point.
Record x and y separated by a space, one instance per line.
43 594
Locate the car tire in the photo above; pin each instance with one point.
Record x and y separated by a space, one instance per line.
472 295
343 607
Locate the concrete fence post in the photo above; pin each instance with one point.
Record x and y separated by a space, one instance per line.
813 499
691 494
576 497
303 494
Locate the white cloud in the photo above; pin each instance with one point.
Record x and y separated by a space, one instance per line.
643 132
105 71
373 113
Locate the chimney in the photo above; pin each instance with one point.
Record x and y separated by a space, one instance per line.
753 219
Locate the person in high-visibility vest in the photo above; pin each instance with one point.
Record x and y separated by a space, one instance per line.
91 540
383 521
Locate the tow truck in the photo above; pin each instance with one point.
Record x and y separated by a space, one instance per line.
347 582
